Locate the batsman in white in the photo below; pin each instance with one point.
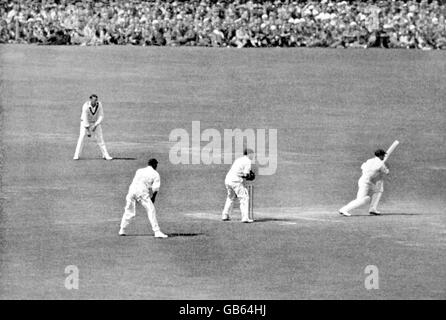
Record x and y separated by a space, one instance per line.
370 185
143 189
91 118
234 182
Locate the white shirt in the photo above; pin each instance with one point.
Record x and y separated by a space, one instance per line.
146 180
372 170
92 116
240 168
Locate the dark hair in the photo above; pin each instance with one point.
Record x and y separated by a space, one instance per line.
152 162
380 152
94 95
247 151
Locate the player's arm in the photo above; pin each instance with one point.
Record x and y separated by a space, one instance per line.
100 117
155 187
246 170
154 196
84 119
248 174
384 169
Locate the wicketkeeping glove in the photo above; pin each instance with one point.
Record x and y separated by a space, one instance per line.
251 176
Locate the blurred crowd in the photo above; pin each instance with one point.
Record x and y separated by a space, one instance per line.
222 23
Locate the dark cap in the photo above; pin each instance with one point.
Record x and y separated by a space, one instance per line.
380 152
247 151
152 162
94 95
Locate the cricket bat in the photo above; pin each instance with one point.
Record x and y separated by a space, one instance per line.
390 150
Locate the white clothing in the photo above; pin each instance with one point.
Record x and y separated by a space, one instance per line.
144 184
91 116
236 189
373 170
241 167
370 185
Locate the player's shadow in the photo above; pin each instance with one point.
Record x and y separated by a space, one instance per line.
384 215
271 220
114 158
123 158
171 235
400 214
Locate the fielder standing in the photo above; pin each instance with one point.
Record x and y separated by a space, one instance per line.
235 187
91 119
370 185
143 189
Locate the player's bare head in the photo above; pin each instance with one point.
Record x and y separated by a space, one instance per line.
380 153
249 152
93 98
153 163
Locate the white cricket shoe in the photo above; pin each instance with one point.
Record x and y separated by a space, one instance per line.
375 212
121 232
344 213
248 221
75 158
225 217
108 158
159 234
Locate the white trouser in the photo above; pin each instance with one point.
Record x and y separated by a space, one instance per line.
99 139
366 192
130 212
236 190
376 196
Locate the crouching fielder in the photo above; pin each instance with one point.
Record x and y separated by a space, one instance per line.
143 189
370 185
234 182
91 118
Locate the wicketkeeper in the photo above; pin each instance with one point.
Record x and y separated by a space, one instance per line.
370 185
240 172
91 118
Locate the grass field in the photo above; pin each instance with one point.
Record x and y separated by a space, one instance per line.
331 109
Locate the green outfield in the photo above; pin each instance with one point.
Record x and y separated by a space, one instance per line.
331 109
